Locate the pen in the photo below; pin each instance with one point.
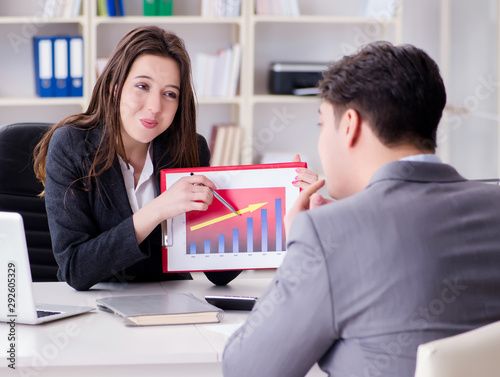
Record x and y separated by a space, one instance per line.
223 201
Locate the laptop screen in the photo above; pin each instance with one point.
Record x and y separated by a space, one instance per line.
17 299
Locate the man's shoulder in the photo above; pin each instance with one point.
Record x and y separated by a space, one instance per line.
362 210
336 219
415 171
427 185
352 205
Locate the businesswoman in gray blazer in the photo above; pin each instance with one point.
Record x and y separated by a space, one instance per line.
101 168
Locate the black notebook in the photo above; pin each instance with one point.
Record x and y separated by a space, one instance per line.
164 309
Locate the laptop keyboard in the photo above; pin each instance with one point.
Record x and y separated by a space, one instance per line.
45 313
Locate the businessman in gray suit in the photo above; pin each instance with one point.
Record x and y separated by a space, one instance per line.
408 253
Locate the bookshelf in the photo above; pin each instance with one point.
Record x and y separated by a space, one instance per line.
272 123
19 22
286 124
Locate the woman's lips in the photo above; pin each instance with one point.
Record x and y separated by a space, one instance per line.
149 123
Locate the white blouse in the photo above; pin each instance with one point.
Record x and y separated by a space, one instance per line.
146 188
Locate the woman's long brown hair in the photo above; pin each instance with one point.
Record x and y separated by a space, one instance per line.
104 110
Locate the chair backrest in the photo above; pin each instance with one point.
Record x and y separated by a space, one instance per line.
472 353
19 190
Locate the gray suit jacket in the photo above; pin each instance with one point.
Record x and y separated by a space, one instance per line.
413 257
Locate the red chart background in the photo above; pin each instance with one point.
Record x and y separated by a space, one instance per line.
239 199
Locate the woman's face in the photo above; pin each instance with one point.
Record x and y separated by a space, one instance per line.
149 99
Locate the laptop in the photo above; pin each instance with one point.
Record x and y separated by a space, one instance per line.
17 301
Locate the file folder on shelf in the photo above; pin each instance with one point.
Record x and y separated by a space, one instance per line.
58 63
76 66
61 62
111 8
115 8
165 7
158 7
102 8
149 8
43 66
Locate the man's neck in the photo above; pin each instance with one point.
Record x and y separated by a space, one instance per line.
382 155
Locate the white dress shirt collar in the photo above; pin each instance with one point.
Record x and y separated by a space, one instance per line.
423 158
145 191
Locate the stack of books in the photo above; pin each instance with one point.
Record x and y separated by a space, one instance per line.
277 7
220 8
225 145
111 8
216 75
61 9
58 66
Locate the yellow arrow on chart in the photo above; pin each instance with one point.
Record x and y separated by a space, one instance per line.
250 208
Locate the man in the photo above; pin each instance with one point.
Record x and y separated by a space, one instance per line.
410 251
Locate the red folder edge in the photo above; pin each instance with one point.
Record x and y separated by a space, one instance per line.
163 183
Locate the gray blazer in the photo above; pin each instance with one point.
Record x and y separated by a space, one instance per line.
92 232
413 257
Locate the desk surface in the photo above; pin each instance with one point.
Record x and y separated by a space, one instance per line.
99 344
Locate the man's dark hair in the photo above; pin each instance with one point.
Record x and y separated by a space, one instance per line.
397 89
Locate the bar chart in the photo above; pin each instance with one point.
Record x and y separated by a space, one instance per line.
257 229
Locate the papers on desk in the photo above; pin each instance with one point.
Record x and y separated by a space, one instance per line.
165 309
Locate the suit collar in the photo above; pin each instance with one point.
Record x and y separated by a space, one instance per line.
411 171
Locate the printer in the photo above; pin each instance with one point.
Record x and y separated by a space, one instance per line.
295 78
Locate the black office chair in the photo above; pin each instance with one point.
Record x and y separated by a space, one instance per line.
19 190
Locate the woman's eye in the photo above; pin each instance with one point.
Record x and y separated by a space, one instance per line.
143 86
172 95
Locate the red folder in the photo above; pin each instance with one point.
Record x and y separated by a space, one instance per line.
218 239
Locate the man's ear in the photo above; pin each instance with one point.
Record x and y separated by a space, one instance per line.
352 127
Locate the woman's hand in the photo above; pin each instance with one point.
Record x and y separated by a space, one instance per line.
187 194
305 177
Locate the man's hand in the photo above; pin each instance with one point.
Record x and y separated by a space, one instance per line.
308 199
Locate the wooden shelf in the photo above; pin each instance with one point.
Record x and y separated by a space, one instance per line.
220 100
6 20
166 20
313 19
274 98
42 101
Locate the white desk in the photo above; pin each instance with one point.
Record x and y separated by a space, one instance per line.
99 344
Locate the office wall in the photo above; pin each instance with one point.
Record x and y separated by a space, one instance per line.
468 137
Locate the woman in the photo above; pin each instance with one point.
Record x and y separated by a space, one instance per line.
101 168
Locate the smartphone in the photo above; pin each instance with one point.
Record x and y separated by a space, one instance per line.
232 302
